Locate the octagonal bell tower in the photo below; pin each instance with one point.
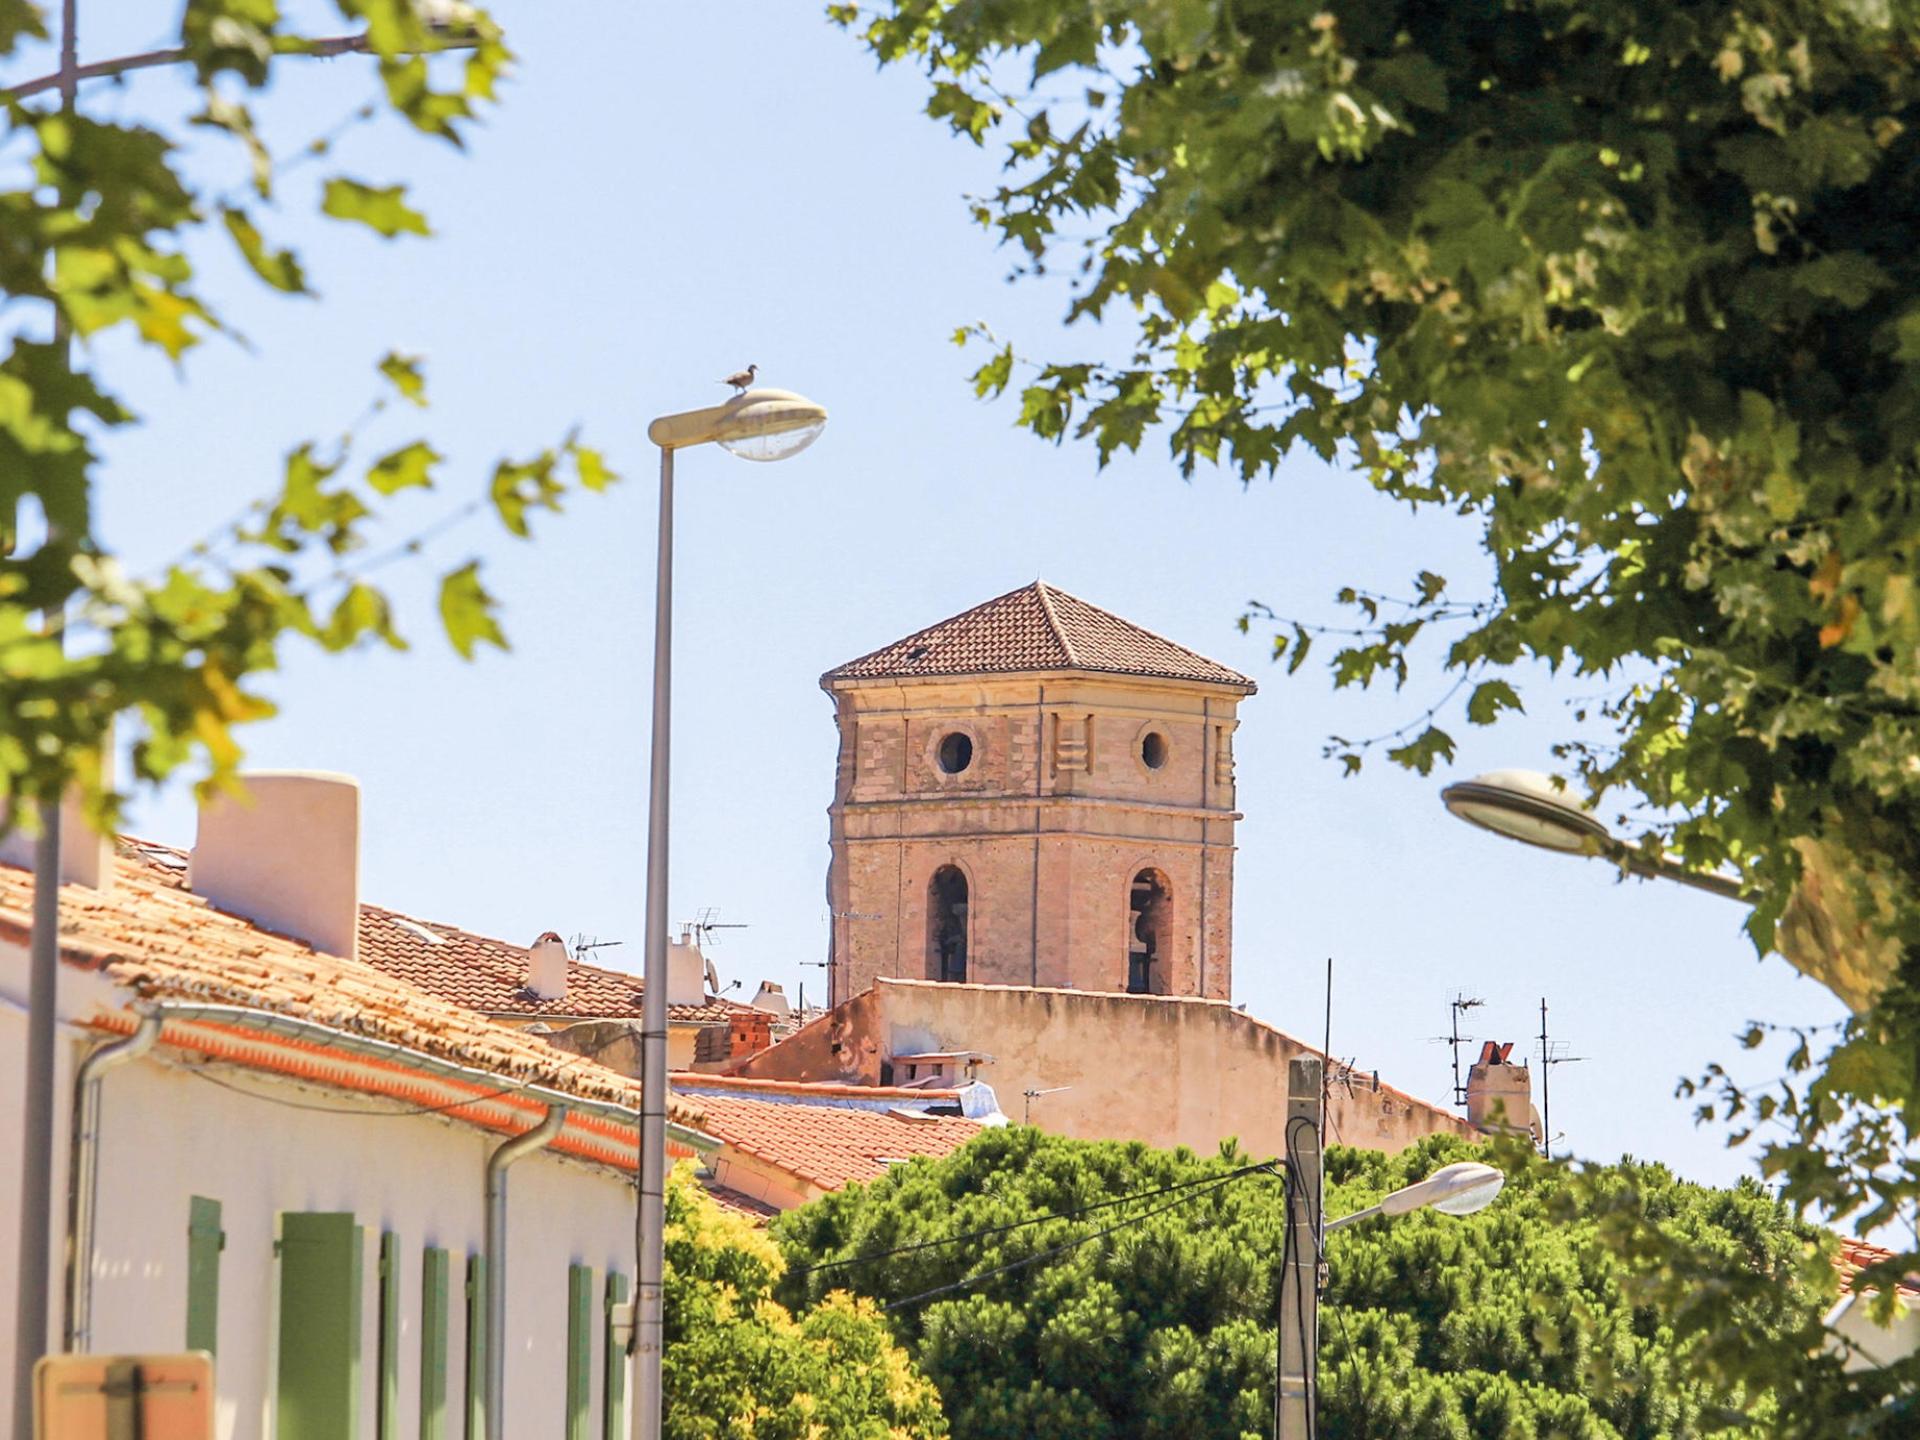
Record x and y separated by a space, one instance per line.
1034 792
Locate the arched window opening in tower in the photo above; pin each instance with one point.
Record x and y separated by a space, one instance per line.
947 926
1149 934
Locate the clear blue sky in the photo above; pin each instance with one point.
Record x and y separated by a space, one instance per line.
668 193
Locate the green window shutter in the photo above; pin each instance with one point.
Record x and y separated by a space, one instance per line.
317 1395
613 1409
205 1240
388 1427
579 1351
433 1344
476 1347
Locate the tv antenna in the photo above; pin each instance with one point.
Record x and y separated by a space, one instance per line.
1552 1053
702 927
1026 1115
1459 1005
582 944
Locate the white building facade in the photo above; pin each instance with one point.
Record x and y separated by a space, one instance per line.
294 1174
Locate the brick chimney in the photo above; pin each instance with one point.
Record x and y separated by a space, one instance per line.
547 967
286 855
1500 1093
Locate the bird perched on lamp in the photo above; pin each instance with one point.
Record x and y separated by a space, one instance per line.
741 379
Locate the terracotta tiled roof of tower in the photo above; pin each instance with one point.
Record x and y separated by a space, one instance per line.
1036 627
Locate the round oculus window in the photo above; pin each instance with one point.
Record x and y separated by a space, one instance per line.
956 752
1153 750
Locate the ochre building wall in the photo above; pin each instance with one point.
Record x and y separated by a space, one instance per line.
1164 1070
1050 822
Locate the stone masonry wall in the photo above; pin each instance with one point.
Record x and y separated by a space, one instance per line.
1056 812
1164 1070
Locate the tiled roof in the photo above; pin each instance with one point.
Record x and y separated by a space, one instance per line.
826 1145
489 975
475 971
814 1091
1853 1256
164 942
161 941
1036 628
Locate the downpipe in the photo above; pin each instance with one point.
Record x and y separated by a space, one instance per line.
538 1138
83 1176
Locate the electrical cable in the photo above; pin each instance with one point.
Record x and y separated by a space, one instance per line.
1279 1302
1218 1182
1031 1220
1309 1362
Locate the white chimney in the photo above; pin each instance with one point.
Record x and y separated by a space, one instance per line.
286 855
547 967
686 974
772 998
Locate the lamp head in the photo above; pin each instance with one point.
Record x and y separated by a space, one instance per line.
1457 1189
756 425
1527 806
769 424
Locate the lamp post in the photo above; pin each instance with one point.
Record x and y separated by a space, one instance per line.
1527 806
758 425
1458 1189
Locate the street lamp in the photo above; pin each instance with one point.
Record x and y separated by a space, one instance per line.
1462 1188
1527 806
756 425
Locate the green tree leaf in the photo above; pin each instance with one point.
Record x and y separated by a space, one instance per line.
467 611
408 467
382 209
404 373
279 268
1488 699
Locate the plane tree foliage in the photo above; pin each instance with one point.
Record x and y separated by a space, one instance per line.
106 225
1156 1318
738 1366
1628 285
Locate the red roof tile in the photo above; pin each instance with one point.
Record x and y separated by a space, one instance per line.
490 975
825 1144
162 941
1036 627
1853 1256
472 970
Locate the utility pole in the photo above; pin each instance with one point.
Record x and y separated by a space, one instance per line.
1299 1328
